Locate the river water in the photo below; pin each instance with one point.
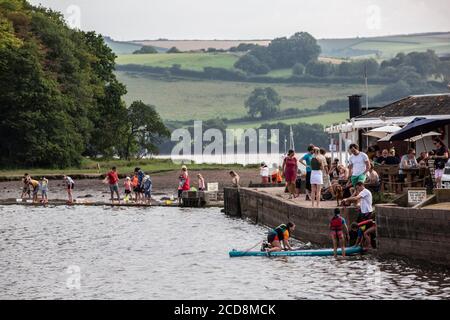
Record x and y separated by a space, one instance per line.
172 253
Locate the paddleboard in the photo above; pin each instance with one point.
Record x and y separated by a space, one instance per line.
298 253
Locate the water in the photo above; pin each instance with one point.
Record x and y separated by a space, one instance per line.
172 253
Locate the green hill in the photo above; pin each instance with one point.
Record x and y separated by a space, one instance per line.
387 46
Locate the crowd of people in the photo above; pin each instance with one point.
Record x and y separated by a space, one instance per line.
325 179
435 159
137 187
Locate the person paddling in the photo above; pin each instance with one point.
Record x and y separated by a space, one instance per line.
337 226
279 237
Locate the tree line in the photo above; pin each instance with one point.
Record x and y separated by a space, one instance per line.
59 97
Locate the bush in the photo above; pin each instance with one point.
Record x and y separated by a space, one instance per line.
298 69
146 50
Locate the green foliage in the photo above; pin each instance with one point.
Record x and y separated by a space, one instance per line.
281 53
358 68
264 102
145 50
173 50
286 52
145 130
252 65
59 96
298 69
319 69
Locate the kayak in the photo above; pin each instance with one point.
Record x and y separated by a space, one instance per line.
299 253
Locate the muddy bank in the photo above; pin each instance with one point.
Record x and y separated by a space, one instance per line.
164 184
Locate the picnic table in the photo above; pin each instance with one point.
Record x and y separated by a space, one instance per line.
414 177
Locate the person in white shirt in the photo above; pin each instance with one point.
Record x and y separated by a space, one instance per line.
359 165
364 196
264 173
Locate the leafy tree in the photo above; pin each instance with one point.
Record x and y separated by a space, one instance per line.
358 68
145 130
146 50
301 47
252 65
298 69
59 97
264 102
173 50
319 69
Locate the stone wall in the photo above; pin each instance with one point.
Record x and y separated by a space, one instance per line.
421 234
266 209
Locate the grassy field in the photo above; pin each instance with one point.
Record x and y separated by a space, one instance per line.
187 45
203 100
324 119
389 46
190 61
90 167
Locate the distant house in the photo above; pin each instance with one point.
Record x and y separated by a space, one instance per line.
401 112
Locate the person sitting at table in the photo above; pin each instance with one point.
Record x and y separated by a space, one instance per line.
408 161
373 180
343 173
423 157
387 158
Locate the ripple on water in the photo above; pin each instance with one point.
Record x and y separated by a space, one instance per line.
172 253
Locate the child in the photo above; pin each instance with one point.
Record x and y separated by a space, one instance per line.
366 229
69 184
26 191
337 225
35 184
43 186
128 187
136 189
201 183
147 189
353 234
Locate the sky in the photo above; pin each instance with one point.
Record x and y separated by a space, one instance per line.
252 19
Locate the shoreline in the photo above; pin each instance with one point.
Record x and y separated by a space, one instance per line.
165 183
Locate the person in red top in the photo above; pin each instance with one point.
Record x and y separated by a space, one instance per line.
113 181
184 183
290 168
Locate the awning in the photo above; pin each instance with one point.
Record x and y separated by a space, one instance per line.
418 127
382 131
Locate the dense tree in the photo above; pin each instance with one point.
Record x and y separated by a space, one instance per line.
319 69
264 102
59 96
173 50
243 47
286 52
252 65
298 69
145 130
146 50
358 68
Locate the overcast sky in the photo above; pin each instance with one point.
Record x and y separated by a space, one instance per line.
252 19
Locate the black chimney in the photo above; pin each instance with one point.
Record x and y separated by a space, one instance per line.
355 106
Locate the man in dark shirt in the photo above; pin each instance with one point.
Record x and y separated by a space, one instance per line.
441 155
387 159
